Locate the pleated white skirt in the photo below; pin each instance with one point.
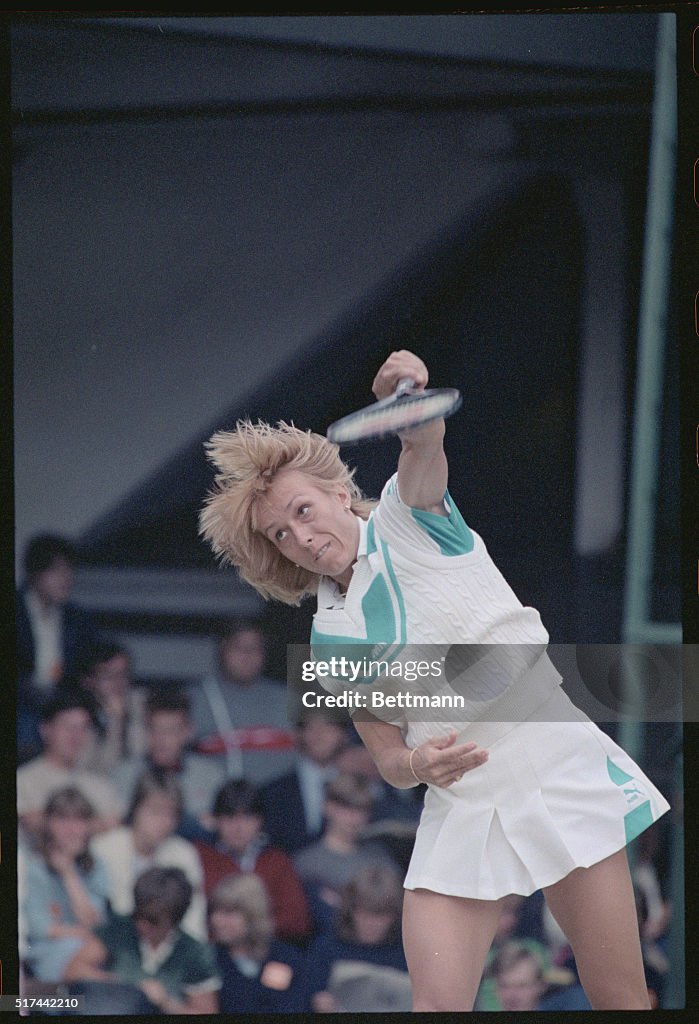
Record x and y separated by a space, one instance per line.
553 796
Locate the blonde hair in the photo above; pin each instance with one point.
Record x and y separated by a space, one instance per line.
247 895
248 459
68 802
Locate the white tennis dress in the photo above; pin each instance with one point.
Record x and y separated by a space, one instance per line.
556 792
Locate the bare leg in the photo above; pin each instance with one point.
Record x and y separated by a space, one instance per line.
595 908
446 941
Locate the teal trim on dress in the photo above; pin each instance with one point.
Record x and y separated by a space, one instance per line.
379 619
379 616
380 622
396 590
641 817
616 774
334 638
638 820
450 532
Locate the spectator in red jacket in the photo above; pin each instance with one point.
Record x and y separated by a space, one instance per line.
240 846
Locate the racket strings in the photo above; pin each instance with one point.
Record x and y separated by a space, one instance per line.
406 412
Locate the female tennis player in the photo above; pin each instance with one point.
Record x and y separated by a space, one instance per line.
542 799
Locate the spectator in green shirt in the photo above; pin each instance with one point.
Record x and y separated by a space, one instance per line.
148 949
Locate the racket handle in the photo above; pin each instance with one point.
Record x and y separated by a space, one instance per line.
404 385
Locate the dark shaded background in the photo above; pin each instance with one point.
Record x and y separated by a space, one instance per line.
220 217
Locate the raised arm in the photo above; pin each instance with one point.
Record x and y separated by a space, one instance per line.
422 466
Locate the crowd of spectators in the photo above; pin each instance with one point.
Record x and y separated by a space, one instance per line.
188 850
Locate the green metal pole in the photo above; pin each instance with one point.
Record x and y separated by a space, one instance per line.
638 626
651 339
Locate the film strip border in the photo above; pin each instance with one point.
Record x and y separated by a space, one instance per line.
686 262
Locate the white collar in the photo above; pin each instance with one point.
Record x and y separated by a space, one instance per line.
363 535
153 958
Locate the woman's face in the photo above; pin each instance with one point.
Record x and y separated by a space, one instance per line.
155 819
311 527
228 928
69 833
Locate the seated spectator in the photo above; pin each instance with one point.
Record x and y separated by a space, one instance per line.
510 928
169 732
105 672
367 931
259 974
518 975
396 812
67 725
523 981
147 839
326 866
293 804
52 632
240 716
390 804
64 890
240 847
149 950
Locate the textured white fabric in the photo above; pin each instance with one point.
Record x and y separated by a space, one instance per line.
543 804
430 602
437 598
556 792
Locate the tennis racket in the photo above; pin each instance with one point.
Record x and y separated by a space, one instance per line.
404 409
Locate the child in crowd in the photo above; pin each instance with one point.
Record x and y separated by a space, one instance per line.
293 804
104 671
519 977
67 727
240 847
64 890
327 865
367 930
168 735
259 974
149 838
524 980
509 928
149 950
